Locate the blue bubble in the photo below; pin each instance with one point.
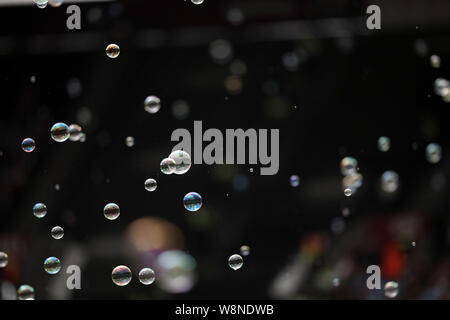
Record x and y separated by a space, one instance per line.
192 201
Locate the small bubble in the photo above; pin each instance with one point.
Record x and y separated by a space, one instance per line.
112 51
75 132
146 276
57 233
55 3
28 145
390 181
245 250
60 132
349 165
391 289
150 185
52 265
294 181
352 181
346 212
25 292
235 262
192 201
39 210
111 211
152 104
384 144
435 61
336 282
41 3
57 187
168 166
433 153
348 192
413 243
33 79
121 275
129 141
3 259
197 1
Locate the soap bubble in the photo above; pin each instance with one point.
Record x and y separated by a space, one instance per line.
221 51
384 144
192 201
75 132
433 153
112 51
435 61
52 265
41 3
182 161
348 192
3 259
336 282
245 250
150 185
111 211
55 3
168 166
121 275
152 104
57 233
349 165
391 289
25 292
39 210
28 145
176 271
129 141
180 109
441 85
390 181
294 181
235 16
60 132
235 262
352 181
146 276
197 1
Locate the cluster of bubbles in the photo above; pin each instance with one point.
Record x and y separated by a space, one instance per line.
192 201
111 211
52 265
178 162
442 89
352 179
391 289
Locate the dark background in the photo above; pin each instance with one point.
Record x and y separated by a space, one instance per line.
351 86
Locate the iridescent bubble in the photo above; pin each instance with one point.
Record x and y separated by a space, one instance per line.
235 262
193 201
60 132
245 250
391 289
52 265
75 132
168 166
435 61
28 145
25 292
112 51
129 141
57 232
390 181
197 1
384 144
294 181
176 271
433 153
3 259
121 275
55 3
150 185
39 210
182 161
152 104
111 211
146 276
349 165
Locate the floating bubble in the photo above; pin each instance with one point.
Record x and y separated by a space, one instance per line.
346 212
39 210
238 68
121 275
168 166
352 181
433 153
435 61
349 165
129 141
384 144
245 250
193 201
57 187
146 276
111 211
150 185
55 3
348 192
290 60
336 282
441 85
60 132
180 109
74 88
235 16
294 181
152 104
235 262
28 145
413 243
41 3
25 292
391 289
3 259
57 233
112 51
390 181
52 265
197 1
221 51
182 161
75 132
33 79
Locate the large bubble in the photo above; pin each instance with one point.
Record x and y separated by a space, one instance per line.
176 271
182 161
121 275
52 265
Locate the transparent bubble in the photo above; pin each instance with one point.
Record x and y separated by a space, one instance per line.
129 141
433 153
238 68
182 161
168 166
52 265
346 212
33 79
121 275
349 165
413 243
348 192
28 145
55 3
111 211
57 233
391 289
384 144
390 181
150 185
440 86
291 60
75 132
336 282
176 271
41 3
152 104
60 132
3 259
435 61
146 276
112 51
235 16
294 181
221 51
235 262
197 1
352 181
245 250
39 210
193 201
180 109
25 292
